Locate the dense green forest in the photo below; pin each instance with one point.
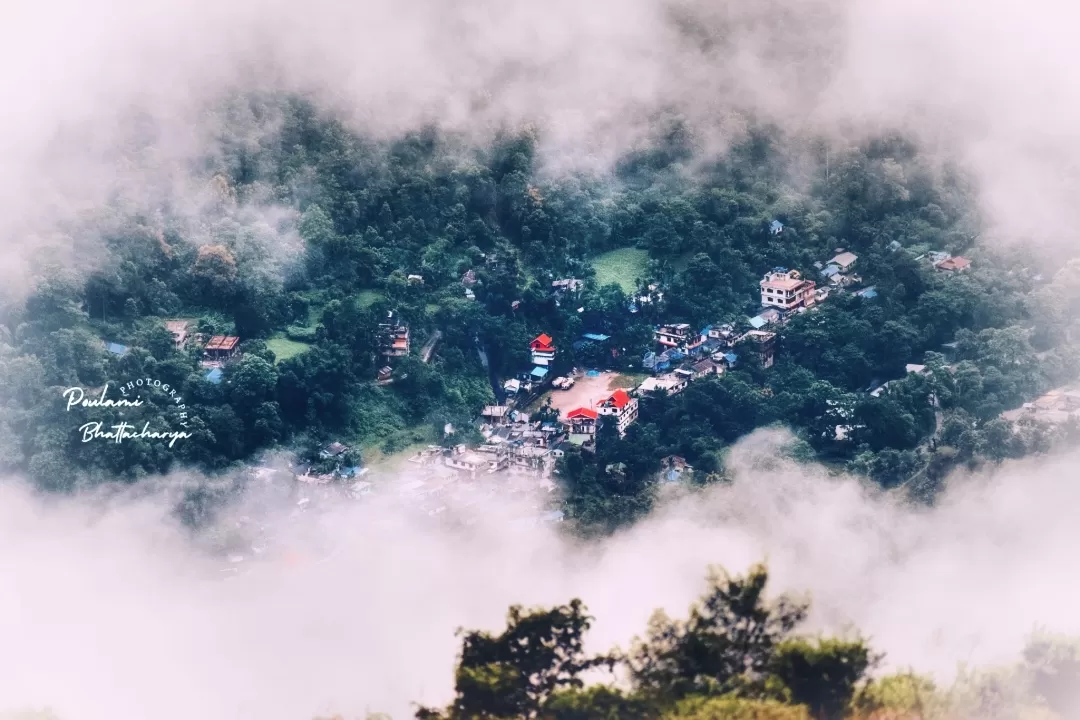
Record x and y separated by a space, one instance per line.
738 655
311 232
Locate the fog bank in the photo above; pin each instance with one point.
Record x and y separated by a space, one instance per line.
118 96
116 613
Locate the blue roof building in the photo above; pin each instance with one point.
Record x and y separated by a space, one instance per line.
596 337
116 349
539 373
830 271
776 227
731 358
868 293
758 322
214 376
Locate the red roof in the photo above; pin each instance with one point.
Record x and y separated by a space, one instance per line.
544 341
954 263
619 399
222 342
582 413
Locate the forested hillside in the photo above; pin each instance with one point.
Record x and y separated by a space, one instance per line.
312 233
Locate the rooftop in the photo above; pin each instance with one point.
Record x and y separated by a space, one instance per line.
619 399
953 263
335 448
582 413
844 259
222 342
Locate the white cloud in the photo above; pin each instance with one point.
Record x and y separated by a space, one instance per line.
118 614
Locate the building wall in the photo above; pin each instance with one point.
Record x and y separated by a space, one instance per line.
788 300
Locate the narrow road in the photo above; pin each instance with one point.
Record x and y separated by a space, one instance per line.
500 395
429 348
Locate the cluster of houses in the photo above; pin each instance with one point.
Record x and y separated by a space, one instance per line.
513 444
684 355
687 355
393 340
217 350
839 272
333 454
542 354
1056 406
945 262
463 478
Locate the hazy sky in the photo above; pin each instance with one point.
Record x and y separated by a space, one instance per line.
106 618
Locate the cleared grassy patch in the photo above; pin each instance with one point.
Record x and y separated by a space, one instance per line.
627 381
367 298
622 267
284 348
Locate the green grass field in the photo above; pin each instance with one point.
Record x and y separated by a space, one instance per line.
627 380
622 267
284 348
367 298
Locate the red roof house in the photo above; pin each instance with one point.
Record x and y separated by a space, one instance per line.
222 347
542 342
543 351
582 421
954 264
620 406
618 400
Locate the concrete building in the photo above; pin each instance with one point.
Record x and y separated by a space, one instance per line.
542 349
393 337
679 337
787 290
764 343
620 406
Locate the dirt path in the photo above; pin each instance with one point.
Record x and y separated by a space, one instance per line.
587 391
429 348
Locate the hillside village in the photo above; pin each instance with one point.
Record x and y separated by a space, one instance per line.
613 331
528 445
523 437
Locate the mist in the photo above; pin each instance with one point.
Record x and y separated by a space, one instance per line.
119 99
110 610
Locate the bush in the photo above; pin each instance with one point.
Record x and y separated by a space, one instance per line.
300 334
